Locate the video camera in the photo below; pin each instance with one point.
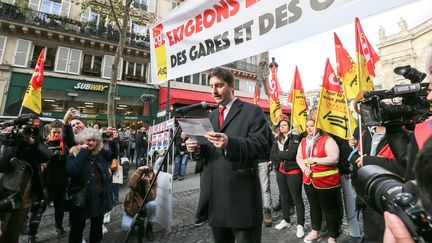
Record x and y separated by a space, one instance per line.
106 134
385 191
401 105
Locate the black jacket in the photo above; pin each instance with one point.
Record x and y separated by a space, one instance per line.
289 153
391 165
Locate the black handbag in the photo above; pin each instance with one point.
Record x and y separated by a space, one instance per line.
13 185
77 197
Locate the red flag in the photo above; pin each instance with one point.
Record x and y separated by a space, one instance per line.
364 48
275 91
33 97
346 69
298 103
257 94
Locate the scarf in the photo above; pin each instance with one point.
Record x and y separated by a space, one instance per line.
310 142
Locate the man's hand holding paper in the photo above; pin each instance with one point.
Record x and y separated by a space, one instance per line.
219 140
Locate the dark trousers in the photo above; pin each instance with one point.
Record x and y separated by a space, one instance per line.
373 225
203 201
228 235
77 229
290 186
324 202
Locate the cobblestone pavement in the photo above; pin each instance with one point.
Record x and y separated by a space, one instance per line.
185 199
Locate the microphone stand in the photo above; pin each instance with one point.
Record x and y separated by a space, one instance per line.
139 218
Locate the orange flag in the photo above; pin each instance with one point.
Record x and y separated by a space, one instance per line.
333 115
366 58
33 96
256 94
346 69
275 91
298 103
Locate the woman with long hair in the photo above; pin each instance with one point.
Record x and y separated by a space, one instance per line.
89 172
288 175
317 157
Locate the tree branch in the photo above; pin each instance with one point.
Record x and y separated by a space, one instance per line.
114 14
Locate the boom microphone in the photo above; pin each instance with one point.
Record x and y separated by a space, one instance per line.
185 109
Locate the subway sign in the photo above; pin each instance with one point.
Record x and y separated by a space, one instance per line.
91 87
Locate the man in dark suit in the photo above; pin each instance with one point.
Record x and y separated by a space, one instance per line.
230 179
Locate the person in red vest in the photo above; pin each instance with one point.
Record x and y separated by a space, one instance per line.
375 150
317 157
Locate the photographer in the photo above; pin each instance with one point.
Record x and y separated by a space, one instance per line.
57 173
26 141
54 179
139 184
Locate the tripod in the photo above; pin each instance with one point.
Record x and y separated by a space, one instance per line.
139 218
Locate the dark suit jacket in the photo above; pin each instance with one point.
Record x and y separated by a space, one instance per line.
230 178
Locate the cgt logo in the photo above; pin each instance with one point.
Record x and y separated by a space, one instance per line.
91 87
162 71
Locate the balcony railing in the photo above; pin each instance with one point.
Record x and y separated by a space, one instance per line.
63 24
243 66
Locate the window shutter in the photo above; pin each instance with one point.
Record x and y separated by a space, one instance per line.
61 59
34 4
107 66
151 6
3 40
65 8
85 16
21 53
75 61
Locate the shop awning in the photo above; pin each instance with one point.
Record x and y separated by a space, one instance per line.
188 97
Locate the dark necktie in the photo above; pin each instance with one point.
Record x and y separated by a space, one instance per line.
221 115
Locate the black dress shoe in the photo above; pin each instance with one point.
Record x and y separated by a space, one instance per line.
200 221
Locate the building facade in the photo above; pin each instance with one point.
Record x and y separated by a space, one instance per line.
79 48
407 47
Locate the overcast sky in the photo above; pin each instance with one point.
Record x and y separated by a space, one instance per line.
310 54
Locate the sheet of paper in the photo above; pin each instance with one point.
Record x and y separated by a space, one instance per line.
196 127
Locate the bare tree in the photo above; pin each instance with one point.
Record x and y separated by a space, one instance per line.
119 12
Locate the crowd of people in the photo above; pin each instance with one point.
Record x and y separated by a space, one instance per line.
74 167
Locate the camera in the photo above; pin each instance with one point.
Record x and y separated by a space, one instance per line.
106 134
385 191
401 105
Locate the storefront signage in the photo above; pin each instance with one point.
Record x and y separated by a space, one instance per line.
131 118
89 116
91 87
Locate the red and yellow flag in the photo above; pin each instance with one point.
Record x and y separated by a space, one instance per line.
256 99
366 58
346 69
275 91
33 96
298 103
333 115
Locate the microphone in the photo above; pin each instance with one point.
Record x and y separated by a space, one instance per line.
185 109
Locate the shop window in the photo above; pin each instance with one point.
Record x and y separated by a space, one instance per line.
196 78
3 40
146 108
68 60
179 79
21 53
50 54
236 84
204 79
107 63
92 65
134 71
187 79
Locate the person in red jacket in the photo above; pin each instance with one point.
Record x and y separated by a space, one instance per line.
317 157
